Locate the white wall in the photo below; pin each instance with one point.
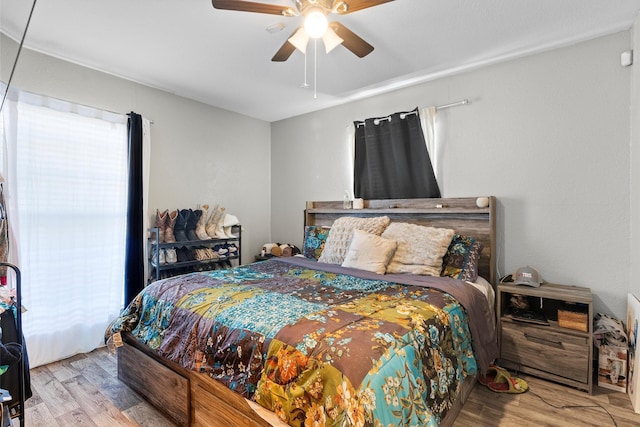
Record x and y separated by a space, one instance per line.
199 154
548 135
635 163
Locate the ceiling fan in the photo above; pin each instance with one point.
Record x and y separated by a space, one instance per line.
316 24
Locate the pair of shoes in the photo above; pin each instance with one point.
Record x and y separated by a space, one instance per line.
201 232
214 227
205 254
165 221
171 256
180 227
232 248
184 254
192 223
160 258
222 250
161 224
499 380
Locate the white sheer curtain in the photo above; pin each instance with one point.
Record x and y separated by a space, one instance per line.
65 168
428 123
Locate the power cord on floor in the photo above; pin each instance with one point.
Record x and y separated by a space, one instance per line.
596 405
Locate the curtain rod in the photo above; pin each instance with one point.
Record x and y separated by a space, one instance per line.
453 104
403 115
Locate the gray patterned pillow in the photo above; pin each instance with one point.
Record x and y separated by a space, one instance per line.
339 239
420 249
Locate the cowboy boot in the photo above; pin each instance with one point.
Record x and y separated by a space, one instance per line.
201 233
194 217
219 224
213 223
169 237
161 221
180 229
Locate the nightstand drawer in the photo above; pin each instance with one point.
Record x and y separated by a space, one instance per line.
562 354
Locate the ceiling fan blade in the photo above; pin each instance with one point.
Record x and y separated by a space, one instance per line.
352 41
285 50
343 7
249 6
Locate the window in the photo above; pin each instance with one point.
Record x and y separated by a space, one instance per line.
66 172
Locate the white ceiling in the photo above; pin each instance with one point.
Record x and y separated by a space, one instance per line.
223 58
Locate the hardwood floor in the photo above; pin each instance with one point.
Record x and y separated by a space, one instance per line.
84 390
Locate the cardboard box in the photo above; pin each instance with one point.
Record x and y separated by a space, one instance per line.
612 368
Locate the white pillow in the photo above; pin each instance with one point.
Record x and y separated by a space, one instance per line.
339 239
369 252
420 249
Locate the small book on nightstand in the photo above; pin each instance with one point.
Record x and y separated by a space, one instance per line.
529 316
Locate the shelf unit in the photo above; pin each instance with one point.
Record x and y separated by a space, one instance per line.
550 351
155 271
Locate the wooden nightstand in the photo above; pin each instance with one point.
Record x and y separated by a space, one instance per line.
548 351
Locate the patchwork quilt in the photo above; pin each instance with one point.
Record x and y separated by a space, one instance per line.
318 344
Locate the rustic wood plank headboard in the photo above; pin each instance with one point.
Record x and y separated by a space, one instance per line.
460 214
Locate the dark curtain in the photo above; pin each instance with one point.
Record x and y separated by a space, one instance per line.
134 256
391 159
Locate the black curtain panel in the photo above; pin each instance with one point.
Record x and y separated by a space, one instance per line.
391 159
134 256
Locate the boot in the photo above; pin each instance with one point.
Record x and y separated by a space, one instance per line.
179 230
228 222
161 224
171 222
219 224
214 224
200 230
194 217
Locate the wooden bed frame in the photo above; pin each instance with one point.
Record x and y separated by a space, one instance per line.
190 398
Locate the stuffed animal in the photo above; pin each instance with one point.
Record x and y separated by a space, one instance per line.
279 249
266 249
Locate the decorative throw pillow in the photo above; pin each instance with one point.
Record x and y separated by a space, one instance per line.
341 234
420 249
369 252
315 237
462 258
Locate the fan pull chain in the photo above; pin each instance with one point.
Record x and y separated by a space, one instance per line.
315 68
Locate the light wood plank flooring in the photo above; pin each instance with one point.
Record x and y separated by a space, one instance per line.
84 390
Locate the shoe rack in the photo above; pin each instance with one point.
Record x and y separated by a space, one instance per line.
160 267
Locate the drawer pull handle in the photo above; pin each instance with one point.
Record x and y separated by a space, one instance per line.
543 340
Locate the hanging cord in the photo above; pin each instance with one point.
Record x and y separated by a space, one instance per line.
315 68
13 69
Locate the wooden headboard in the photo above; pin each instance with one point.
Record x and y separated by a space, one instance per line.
460 214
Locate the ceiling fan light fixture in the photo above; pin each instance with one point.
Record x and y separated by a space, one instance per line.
316 23
300 39
331 40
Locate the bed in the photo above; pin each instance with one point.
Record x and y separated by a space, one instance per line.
295 341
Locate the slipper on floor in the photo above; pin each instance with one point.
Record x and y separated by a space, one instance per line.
499 380
512 385
494 374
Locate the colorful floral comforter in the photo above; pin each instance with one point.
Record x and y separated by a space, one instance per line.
318 344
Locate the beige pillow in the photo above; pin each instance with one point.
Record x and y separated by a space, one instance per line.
420 249
369 252
339 239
